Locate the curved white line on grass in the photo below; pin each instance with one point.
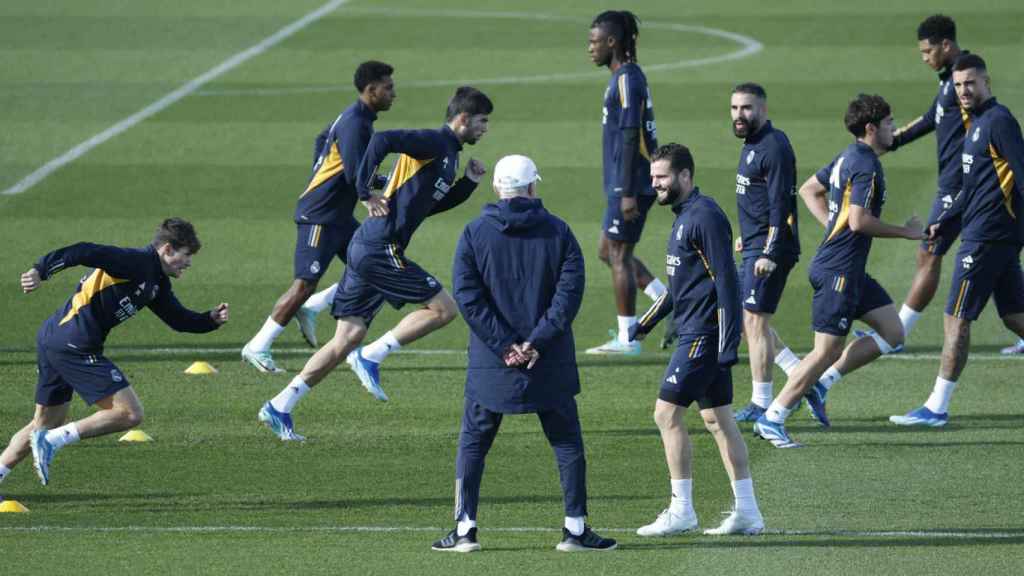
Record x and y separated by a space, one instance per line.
922 534
748 47
186 89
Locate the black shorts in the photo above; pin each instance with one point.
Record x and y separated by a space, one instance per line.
616 227
318 244
378 274
984 270
64 371
839 300
764 294
694 375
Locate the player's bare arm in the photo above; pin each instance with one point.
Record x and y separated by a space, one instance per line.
863 222
815 198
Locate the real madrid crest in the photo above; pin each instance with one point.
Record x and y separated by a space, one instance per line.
977 133
750 157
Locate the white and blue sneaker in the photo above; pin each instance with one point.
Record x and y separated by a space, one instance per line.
368 372
1016 348
774 433
42 454
921 417
262 361
749 413
306 319
816 403
616 347
279 423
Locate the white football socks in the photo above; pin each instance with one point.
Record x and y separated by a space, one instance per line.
574 524
654 289
743 492
264 339
830 377
786 360
464 526
317 302
777 413
287 399
625 323
682 496
761 393
379 349
909 317
60 437
938 401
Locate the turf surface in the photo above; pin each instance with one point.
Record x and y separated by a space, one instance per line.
216 494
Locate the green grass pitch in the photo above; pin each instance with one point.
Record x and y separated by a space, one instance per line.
215 494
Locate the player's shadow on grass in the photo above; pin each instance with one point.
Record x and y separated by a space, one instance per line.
827 541
443 502
881 424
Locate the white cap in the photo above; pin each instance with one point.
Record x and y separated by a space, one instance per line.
515 171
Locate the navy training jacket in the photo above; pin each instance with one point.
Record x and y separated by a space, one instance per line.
518 275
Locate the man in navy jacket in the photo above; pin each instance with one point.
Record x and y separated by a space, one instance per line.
518 279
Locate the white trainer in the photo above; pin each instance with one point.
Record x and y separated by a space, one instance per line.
262 361
739 523
616 347
669 523
306 319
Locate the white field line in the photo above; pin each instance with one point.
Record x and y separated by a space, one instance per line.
949 535
186 89
114 351
748 47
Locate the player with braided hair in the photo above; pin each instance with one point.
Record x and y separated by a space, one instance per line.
629 135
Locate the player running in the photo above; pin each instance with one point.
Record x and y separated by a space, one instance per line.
69 344
422 183
846 196
323 214
988 261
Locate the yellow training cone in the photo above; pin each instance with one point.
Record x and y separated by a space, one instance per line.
201 368
12 506
135 436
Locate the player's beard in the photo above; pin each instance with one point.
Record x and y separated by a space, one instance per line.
747 129
674 191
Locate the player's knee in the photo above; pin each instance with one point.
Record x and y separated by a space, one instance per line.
446 313
132 416
713 426
665 418
889 341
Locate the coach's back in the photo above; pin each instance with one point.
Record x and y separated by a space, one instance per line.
518 276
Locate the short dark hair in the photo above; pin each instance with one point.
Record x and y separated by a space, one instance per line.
369 72
179 233
624 26
968 61
937 28
863 110
678 156
469 100
751 88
